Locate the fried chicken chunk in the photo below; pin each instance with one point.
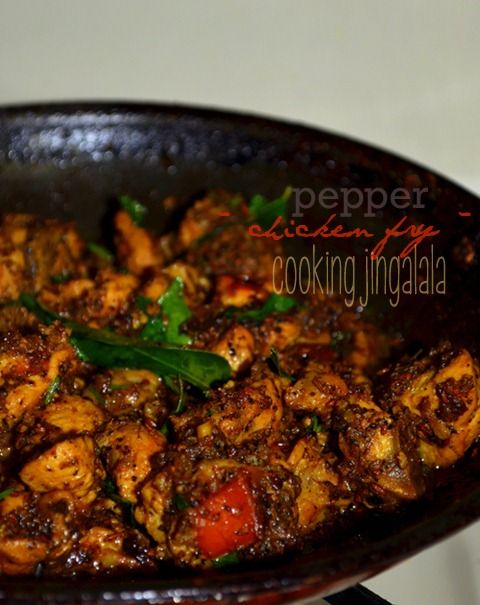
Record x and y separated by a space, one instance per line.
33 250
129 449
28 367
24 536
155 498
440 396
67 415
237 346
320 483
68 465
251 413
135 246
377 450
317 391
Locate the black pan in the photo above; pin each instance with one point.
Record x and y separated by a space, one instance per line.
71 161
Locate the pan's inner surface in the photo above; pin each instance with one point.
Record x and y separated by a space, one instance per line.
73 162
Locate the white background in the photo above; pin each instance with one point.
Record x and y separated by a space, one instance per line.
403 75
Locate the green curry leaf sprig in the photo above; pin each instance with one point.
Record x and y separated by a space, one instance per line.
165 328
275 304
107 349
136 210
264 212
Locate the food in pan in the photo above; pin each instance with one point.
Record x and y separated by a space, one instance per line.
160 402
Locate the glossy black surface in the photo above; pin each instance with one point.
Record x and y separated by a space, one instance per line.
72 161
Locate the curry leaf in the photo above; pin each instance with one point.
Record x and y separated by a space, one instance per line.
101 251
175 308
143 302
6 492
92 393
199 368
316 426
30 302
165 429
264 212
229 559
119 386
107 349
180 502
154 330
175 312
61 278
275 361
275 303
110 490
135 209
181 397
52 389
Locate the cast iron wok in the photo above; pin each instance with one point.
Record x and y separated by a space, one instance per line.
71 161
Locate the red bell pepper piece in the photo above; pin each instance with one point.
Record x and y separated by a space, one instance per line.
227 520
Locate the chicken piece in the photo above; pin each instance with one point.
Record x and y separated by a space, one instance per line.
24 535
320 483
234 252
154 500
378 450
279 333
136 247
215 234
59 510
156 287
12 271
127 391
33 530
68 465
112 295
20 553
55 297
14 315
72 414
23 398
129 449
237 346
201 218
316 392
144 381
191 228
440 394
234 291
105 543
28 367
195 285
34 250
67 415
19 498
97 302
104 548
252 412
